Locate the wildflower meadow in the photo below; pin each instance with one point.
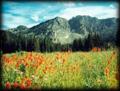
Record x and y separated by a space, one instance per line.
35 70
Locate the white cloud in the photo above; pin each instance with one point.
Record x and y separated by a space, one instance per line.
94 11
49 17
30 12
30 15
13 21
112 6
36 15
69 4
25 17
32 24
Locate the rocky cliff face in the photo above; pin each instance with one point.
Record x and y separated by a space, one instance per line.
57 29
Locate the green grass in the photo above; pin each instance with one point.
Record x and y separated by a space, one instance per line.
80 70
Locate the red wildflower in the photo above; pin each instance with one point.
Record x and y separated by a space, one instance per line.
28 82
99 49
15 84
8 85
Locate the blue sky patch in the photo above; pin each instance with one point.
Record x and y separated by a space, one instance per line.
33 13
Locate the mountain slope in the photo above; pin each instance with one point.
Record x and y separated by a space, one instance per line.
19 29
106 27
59 30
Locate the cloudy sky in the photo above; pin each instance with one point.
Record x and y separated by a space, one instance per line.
32 13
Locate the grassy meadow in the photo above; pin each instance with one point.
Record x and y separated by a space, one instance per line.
35 70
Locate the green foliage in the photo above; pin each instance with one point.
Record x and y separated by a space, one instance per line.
22 67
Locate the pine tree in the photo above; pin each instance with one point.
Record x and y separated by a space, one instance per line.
36 44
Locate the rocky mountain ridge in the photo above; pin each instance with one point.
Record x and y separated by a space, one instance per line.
60 30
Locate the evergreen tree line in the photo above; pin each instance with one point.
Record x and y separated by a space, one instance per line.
12 43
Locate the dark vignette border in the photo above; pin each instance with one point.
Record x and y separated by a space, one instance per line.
82 89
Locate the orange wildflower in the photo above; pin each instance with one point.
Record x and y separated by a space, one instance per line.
94 49
23 80
22 86
7 60
64 60
17 65
26 64
44 71
108 62
106 71
51 63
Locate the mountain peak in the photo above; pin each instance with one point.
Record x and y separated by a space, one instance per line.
21 27
18 29
84 17
59 18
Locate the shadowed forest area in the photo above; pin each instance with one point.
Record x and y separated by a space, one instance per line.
11 43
